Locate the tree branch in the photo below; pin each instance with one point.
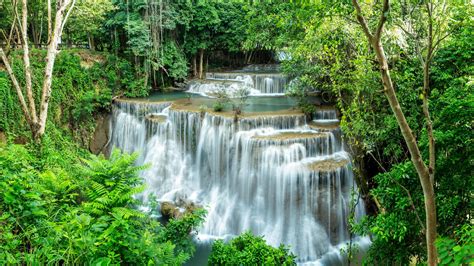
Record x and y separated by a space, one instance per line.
382 20
68 13
16 85
26 60
50 58
404 188
362 21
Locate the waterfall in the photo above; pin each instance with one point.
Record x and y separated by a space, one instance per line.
259 80
273 174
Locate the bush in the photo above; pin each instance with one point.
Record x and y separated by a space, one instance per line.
218 106
83 214
458 251
248 249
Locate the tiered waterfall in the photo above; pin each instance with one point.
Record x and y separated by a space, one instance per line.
275 174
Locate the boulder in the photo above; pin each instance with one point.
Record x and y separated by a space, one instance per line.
169 210
182 207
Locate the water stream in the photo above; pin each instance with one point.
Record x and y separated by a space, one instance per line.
270 171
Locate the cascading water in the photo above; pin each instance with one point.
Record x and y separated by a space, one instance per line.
257 83
273 174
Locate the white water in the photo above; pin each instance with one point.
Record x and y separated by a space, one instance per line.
253 174
257 84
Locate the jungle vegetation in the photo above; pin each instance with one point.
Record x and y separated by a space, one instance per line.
400 72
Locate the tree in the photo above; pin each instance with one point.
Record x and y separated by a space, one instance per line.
200 32
89 16
425 173
37 122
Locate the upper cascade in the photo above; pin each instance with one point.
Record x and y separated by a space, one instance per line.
258 80
273 172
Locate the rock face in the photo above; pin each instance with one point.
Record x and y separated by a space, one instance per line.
101 136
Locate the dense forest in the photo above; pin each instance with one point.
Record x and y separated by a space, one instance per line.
106 113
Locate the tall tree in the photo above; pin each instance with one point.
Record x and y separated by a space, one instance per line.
37 122
425 172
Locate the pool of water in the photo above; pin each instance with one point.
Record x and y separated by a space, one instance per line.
252 104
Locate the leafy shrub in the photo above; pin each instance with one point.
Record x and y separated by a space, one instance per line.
300 89
248 249
218 106
457 251
91 102
81 214
174 61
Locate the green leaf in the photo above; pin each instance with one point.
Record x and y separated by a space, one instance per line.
101 262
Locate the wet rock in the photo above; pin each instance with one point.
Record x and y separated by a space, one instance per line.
181 86
100 138
177 210
187 205
169 210
156 118
327 165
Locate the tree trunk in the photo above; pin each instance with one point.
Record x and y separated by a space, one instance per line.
201 59
207 63
389 91
249 59
429 123
26 61
91 42
50 28
195 73
50 58
17 87
416 158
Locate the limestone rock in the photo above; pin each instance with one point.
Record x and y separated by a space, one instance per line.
101 135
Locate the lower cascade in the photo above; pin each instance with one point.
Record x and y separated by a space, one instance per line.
274 174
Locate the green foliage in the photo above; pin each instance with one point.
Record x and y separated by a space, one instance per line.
201 28
174 61
87 19
333 56
248 249
240 100
90 102
178 230
458 251
300 90
231 31
218 106
55 210
400 224
83 85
